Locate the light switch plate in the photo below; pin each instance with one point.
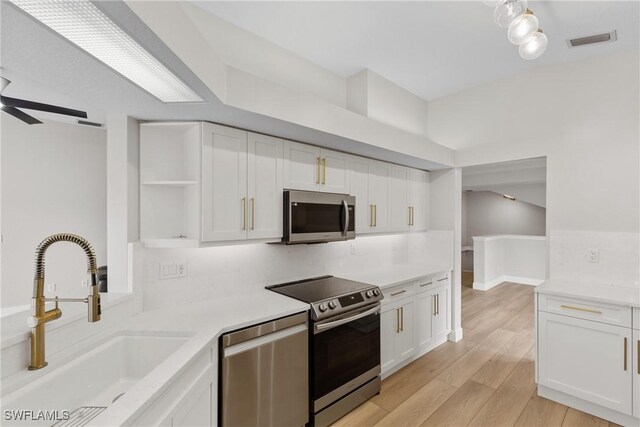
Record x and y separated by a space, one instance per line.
173 269
593 255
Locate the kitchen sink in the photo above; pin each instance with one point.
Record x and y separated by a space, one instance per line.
95 379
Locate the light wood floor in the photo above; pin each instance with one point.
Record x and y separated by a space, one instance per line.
486 379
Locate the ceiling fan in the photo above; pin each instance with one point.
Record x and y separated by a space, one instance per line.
12 105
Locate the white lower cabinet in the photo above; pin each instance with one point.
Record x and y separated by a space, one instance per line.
413 325
588 356
586 359
189 400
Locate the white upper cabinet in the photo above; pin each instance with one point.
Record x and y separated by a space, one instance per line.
224 183
264 186
417 199
314 169
360 189
379 195
399 207
302 166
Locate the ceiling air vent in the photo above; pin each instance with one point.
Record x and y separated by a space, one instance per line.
88 123
596 38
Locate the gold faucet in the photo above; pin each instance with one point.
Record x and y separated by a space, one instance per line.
39 315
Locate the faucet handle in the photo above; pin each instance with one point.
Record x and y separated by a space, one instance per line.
32 321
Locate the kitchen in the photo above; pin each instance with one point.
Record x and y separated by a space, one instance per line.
196 200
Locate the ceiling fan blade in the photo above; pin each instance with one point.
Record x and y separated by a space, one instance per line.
30 105
20 115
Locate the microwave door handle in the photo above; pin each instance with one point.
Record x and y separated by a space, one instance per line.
346 217
323 326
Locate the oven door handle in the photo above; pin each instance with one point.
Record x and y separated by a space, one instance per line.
346 217
324 326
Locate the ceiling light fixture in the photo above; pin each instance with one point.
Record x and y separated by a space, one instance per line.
521 27
86 26
524 29
533 45
508 10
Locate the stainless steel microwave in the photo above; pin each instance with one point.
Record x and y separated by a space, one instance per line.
313 217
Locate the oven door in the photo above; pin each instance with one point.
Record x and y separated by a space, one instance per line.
318 217
345 354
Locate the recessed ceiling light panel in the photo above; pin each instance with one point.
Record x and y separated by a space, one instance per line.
83 24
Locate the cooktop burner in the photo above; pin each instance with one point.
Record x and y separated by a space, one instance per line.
329 295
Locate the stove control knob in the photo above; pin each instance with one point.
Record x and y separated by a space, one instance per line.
322 307
369 294
332 305
376 292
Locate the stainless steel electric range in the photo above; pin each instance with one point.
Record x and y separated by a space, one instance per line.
344 343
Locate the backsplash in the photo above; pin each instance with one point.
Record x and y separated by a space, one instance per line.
618 253
221 270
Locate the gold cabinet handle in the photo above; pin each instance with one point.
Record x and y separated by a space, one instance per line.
397 320
434 305
370 215
625 353
426 284
324 171
244 213
412 215
401 319
442 280
398 293
317 170
438 304
375 215
638 356
253 213
409 220
588 310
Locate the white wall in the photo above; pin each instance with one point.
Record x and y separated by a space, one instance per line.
490 213
508 258
584 116
380 99
227 269
53 180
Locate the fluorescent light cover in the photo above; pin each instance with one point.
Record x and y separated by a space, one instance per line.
86 26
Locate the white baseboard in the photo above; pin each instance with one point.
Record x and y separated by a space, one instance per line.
455 335
588 407
522 280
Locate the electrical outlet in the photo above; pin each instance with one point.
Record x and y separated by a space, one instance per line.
85 283
51 287
173 269
593 255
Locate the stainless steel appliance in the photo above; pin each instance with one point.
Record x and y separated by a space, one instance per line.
344 343
264 374
313 217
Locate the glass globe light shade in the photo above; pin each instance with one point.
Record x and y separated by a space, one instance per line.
491 3
533 45
521 27
508 10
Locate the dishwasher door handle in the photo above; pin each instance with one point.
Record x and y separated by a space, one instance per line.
264 339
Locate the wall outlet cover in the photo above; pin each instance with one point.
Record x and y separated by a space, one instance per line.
173 269
593 255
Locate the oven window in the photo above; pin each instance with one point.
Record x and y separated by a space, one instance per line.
318 218
344 353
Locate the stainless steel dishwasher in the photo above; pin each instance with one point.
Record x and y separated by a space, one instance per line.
264 374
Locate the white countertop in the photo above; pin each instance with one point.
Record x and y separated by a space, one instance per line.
598 292
207 320
394 275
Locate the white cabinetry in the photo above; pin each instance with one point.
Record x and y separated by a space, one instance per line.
417 199
241 185
170 183
399 201
360 189
315 169
585 359
379 196
224 183
588 356
414 320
